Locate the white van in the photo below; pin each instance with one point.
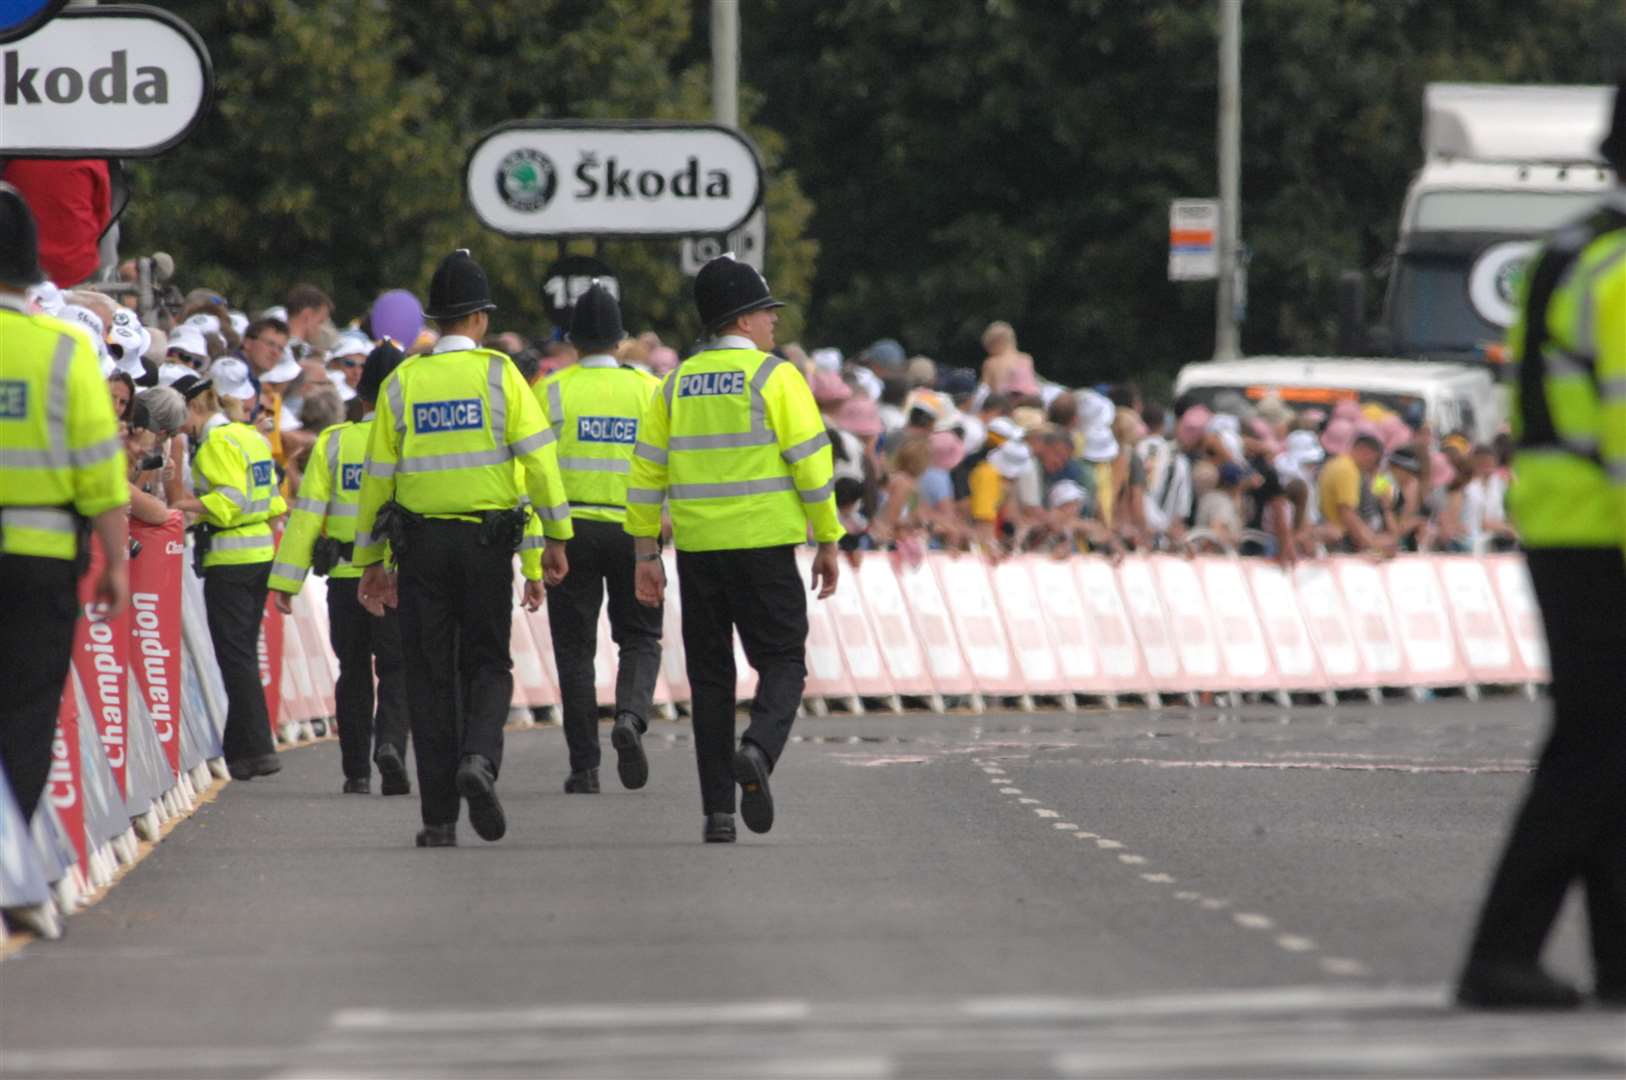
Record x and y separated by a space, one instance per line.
1452 397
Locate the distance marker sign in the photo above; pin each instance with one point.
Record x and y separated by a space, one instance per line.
630 179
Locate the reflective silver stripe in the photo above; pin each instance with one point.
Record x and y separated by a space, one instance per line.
553 513
1584 445
1612 389
241 543
729 489
473 459
556 407
34 459
289 571
259 506
1617 471
381 470
498 400
646 496
806 448
759 406
56 393
237 498
532 443
1586 329
392 390
729 441
343 510
650 452
819 494
669 388
96 453
532 543
41 518
589 464
365 540
335 471
310 506
1562 364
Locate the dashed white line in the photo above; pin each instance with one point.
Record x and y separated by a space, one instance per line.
1159 879
1042 812
1338 965
1107 845
1295 943
1067 826
1188 896
1253 921
1133 860
1008 790
1213 904
1028 801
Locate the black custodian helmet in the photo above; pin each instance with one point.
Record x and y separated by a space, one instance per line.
19 241
1613 148
458 288
596 317
726 288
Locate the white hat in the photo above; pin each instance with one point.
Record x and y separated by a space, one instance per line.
287 369
47 297
1049 392
239 322
350 345
1095 410
973 431
1100 444
1006 428
827 359
1011 459
230 376
347 393
90 322
1065 493
276 311
188 339
869 383
209 324
132 339
169 372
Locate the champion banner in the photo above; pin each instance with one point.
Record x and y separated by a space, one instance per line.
155 618
271 661
65 787
101 657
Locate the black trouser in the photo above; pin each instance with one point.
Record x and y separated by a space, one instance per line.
600 557
359 640
457 604
235 599
39 605
758 591
1572 826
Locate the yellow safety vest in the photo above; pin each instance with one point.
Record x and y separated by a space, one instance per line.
1569 486
736 444
595 412
445 443
328 500
236 481
60 454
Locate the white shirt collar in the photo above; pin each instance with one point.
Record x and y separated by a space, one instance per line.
733 341
14 302
215 421
455 343
599 360
368 415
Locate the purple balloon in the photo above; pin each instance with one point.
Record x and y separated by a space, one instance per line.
397 315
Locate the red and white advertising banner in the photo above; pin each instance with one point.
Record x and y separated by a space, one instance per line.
1477 617
530 681
1321 602
1241 637
1066 623
1112 631
298 695
1277 606
101 658
273 650
1423 622
934 627
674 662
313 640
1192 624
65 784
541 633
859 646
155 627
1019 603
826 669
1523 617
1376 636
977 623
316 589
878 585
1141 594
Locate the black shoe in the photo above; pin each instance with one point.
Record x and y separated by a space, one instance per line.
1514 986
582 782
751 773
477 782
719 828
358 786
1611 997
249 767
438 835
392 770
631 763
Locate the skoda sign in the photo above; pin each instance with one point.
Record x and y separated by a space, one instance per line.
629 179
19 18
114 81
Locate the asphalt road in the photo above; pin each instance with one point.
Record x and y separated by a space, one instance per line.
1178 893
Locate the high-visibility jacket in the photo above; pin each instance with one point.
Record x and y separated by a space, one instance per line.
1569 414
60 454
736 444
236 481
445 442
328 500
595 407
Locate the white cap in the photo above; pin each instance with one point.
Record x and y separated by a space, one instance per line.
169 372
287 369
239 322
1100 444
350 345
973 431
230 376
209 324
1011 459
869 383
132 339
1006 428
188 339
1065 493
347 393
1095 409
827 359
89 321
276 311
47 297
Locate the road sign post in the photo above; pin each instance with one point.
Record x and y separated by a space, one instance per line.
1193 229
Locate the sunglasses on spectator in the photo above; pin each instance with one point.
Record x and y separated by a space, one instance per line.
351 362
194 362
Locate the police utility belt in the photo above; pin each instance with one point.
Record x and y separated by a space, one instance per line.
501 529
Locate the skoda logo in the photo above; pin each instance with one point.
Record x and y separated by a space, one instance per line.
526 180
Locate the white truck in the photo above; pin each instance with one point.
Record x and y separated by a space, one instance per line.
1503 166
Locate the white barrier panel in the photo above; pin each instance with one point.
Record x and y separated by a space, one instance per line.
547 693
674 663
606 660
1477 618
1190 623
1321 602
859 647
1512 580
827 675
1065 621
313 633
1142 600
531 688
1112 633
934 627
316 588
1362 585
1422 623
882 593
745 676
1018 601
1277 603
23 882
975 614
1241 638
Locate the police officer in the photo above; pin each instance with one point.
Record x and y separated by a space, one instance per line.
61 465
736 444
236 498
1569 501
449 430
323 523
594 407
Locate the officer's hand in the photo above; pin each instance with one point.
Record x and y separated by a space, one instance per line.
649 582
113 588
284 602
534 595
554 563
826 569
376 585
